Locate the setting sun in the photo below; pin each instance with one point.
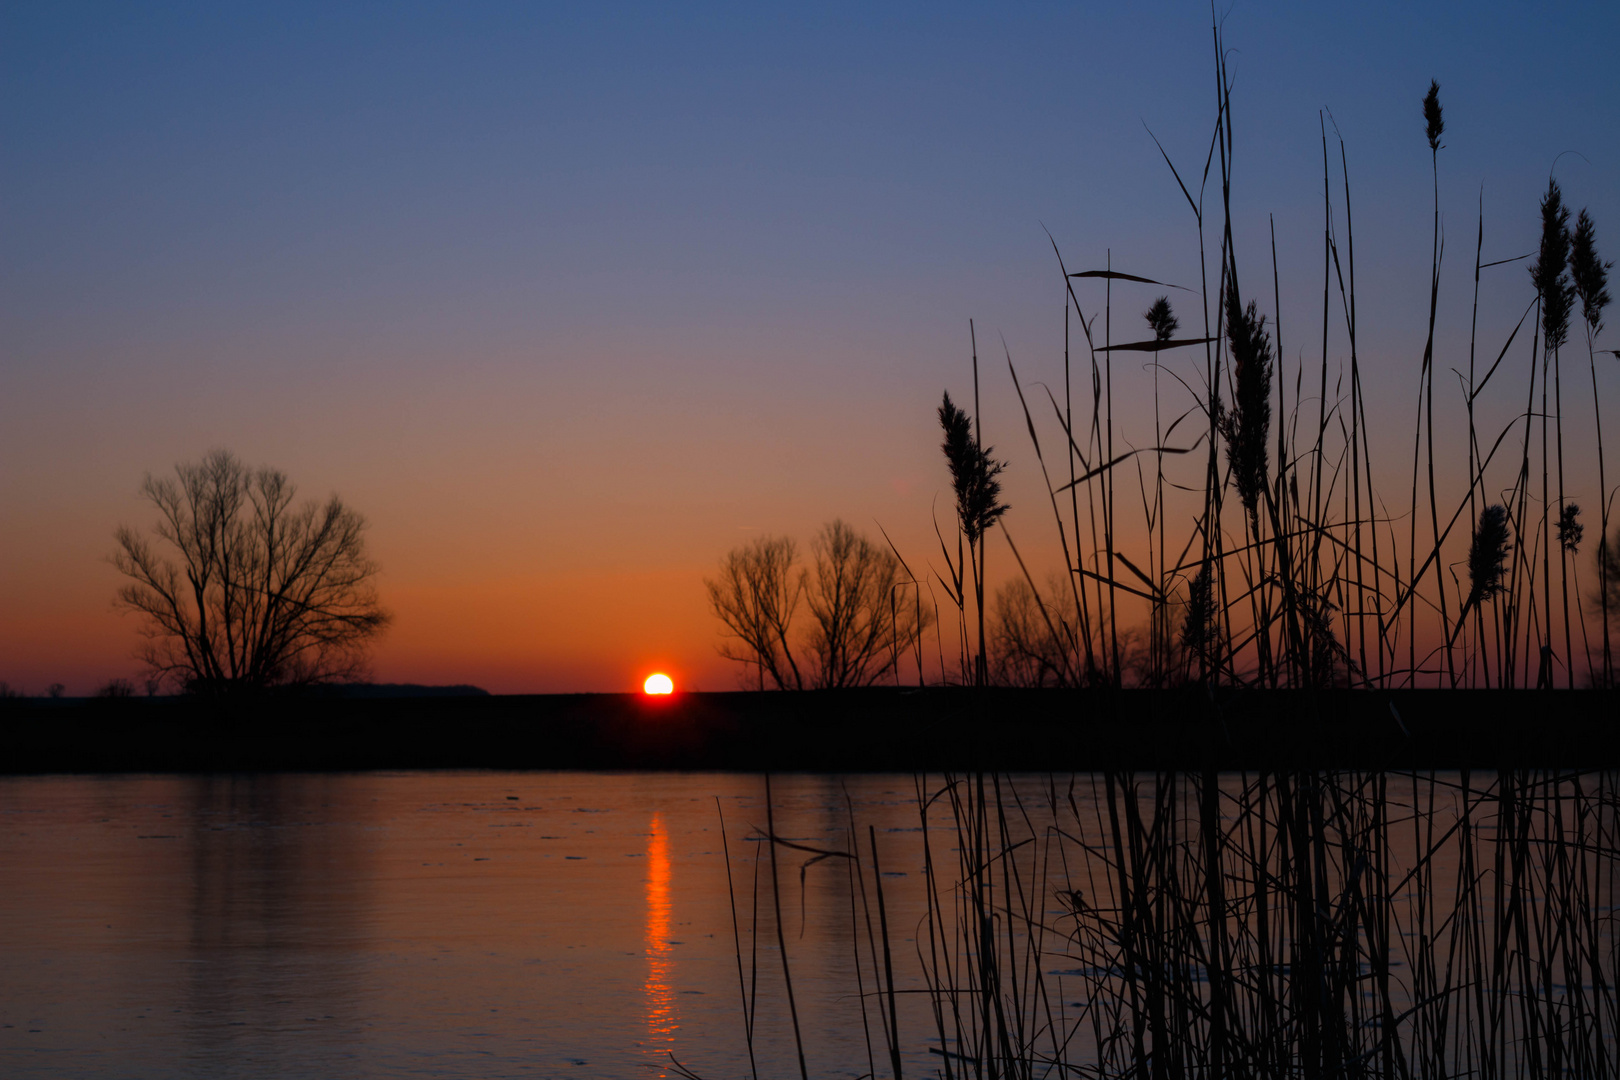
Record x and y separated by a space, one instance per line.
659 684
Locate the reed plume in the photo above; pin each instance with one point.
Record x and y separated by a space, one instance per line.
1161 320
1487 554
1590 274
1201 626
1432 117
978 499
1550 271
1247 424
973 472
1570 528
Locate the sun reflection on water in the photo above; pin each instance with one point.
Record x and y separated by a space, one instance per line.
660 999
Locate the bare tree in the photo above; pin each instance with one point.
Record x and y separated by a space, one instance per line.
243 591
755 596
859 630
1032 642
860 625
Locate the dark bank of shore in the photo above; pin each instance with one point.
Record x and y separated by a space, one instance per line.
862 730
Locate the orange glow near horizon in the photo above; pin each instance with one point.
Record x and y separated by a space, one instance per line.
658 684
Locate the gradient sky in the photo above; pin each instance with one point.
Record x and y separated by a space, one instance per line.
570 301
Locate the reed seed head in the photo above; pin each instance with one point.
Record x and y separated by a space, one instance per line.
1197 631
1591 273
973 472
1608 563
1570 527
1488 552
1247 424
1322 647
1161 319
1549 272
1432 117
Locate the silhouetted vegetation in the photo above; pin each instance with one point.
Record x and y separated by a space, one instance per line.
1310 577
1277 924
978 506
1286 922
240 590
1025 646
863 615
1313 576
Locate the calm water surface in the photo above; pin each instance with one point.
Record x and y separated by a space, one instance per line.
489 924
448 925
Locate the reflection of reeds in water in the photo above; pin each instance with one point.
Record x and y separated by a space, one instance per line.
1337 924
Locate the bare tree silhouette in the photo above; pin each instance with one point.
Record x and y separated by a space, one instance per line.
1032 641
859 627
755 596
859 630
243 591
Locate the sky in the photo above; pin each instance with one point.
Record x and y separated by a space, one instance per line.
569 301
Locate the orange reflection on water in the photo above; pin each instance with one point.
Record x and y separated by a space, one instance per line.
661 1023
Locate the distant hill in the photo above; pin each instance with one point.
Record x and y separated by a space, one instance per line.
400 690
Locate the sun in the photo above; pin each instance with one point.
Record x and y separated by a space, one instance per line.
659 684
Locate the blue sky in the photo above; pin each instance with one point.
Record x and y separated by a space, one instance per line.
558 292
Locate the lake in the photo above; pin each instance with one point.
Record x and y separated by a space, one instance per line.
427 924
490 924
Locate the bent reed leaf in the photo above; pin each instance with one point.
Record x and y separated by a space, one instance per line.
1115 275
1156 345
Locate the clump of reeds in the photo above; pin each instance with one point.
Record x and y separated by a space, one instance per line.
1278 924
1302 580
1312 588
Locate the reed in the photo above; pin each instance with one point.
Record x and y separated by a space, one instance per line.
1590 276
1306 578
978 506
1262 925
1282 924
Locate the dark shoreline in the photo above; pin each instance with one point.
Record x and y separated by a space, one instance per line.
826 731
